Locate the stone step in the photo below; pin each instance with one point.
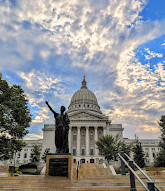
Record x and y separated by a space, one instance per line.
4 171
4 167
51 183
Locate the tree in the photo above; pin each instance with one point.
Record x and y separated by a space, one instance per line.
138 154
46 152
160 160
126 149
14 118
5 147
109 146
35 154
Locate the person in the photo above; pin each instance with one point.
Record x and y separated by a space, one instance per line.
61 132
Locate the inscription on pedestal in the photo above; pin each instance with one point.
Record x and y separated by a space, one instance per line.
58 167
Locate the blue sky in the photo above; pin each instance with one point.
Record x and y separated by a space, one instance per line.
47 46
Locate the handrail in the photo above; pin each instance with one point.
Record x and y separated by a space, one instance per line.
142 183
142 172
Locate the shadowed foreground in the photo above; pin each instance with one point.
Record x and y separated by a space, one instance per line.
91 177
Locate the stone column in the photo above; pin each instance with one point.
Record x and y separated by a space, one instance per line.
104 131
87 140
78 140
96 138
70 139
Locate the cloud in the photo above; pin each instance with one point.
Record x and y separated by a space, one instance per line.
51 44
44 54
152 54
33 136
40 87
38 81
160 71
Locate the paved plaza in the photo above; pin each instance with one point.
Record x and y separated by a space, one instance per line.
91 177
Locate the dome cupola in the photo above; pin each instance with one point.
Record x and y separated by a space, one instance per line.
84 99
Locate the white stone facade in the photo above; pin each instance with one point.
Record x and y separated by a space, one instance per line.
23 157
150 147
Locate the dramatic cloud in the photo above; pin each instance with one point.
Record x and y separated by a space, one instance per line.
47 46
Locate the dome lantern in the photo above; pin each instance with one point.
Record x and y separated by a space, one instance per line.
84 99
84 83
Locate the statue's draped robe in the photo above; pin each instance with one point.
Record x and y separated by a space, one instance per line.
61 132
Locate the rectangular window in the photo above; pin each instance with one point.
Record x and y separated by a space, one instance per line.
25 155
74 152
91 151
83 152
91 139
100 134
83 139
74 139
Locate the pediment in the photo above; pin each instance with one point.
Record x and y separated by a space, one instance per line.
86 116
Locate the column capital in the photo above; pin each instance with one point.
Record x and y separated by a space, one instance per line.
96 127
78 127
86 127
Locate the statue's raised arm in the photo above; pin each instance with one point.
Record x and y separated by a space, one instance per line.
50 108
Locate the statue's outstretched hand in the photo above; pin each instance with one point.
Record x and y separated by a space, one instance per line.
46 102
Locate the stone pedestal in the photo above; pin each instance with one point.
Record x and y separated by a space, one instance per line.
59 165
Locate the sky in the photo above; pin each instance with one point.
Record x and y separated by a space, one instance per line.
46 46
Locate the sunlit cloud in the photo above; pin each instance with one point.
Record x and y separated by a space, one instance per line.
152 54
32 136
50 45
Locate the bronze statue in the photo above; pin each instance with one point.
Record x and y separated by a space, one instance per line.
61 131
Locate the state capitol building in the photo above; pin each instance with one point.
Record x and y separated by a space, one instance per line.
87 124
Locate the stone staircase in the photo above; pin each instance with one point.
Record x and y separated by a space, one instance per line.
90 170
4 171
95 177
92 177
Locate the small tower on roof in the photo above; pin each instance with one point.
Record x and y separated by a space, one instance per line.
84 83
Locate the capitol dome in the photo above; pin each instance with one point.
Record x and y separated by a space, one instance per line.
84 99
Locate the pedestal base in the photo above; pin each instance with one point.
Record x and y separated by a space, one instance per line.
59 165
